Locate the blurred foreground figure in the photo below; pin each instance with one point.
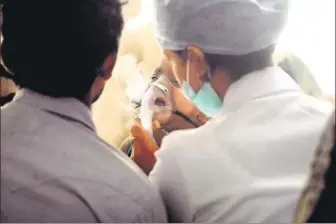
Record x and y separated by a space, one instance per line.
54 167
248 163
7 87
317 203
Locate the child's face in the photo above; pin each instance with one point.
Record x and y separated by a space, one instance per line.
165 103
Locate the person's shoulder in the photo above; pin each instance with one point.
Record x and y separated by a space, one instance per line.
128 200
16 117
71 195
316 106
190 136
95 171
114 170
182 141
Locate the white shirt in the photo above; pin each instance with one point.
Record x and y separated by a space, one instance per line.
55 168
250 162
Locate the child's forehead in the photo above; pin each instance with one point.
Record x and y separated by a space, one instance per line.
165 69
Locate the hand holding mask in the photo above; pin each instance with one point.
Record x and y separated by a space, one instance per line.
163 109
165 103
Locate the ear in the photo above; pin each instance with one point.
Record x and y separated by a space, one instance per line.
197 58
196 51
177 65
166 69
171 56
108 66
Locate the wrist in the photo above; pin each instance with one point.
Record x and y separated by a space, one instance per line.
198 117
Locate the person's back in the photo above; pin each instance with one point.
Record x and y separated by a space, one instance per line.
252 160
249 161
54 167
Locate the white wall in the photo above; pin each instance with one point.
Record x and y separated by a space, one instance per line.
310 33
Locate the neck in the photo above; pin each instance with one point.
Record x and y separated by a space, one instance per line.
86 101
220 82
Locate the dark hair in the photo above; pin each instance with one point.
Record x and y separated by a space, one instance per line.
239 65
56 47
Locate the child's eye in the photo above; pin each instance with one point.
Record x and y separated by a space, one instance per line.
174 82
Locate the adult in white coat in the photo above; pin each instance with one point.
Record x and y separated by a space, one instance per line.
250 161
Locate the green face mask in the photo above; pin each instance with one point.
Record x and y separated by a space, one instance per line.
206 99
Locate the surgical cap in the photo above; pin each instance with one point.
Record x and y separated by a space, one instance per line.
225 27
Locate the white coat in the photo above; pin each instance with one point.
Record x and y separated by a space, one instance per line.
249 163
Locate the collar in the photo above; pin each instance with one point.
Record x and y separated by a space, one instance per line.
67 108
256 85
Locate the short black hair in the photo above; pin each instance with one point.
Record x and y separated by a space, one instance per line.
239 65
56 47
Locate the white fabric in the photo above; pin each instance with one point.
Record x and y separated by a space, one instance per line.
230 27
249 163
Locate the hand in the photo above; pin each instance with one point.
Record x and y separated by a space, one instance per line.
143 147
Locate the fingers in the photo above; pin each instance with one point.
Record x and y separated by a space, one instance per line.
144 159
142 137
143 148
158 132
